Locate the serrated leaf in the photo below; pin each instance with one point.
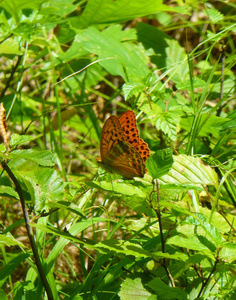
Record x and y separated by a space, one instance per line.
131 88
176 256
133 289
166 121
190 242
44 184
124 247
41 157
190 170
160 163
18 140
214 15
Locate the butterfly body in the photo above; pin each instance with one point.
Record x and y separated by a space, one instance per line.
121 149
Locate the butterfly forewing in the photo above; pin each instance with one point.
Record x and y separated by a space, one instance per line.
129 125
111 134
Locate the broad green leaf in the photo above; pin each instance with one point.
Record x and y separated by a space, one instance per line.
10 47
44 184
165 52
3 296
165 292
14 7
117 57
133 289
176 62
58 7
195 82
2 148
160 163
9 241
41 157
190 170
123 188
106 11
228 252
8 191
196 238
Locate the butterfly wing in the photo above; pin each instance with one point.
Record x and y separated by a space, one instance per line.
125 160
129 126
112 133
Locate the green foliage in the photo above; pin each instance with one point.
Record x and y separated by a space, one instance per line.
65 67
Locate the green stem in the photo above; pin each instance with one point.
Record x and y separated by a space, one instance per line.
30 232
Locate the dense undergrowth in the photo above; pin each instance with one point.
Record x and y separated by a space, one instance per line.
69 229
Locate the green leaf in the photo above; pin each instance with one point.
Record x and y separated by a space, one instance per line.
165 52
208 125
176 62
123 188
133 289
160 163
10 47
58 7
41 157
117 57
10 241
214 15
8 191
119 246
190 170
15 6
18 140
67 206
44 184
165 292
118 11
3 296
166 121
11 266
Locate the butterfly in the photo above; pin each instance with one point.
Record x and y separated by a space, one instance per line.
122 151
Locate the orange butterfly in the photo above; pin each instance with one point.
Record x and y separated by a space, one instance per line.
121 148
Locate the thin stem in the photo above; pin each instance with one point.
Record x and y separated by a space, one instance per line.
158 212
30 232
204 284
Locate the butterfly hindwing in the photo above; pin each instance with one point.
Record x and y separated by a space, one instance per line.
125 160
